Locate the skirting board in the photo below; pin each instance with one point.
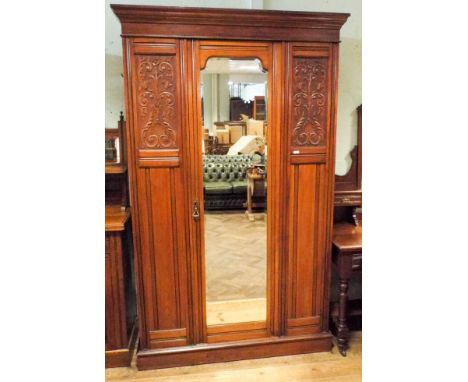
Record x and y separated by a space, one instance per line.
232 351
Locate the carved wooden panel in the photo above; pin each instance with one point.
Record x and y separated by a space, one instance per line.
309 101
157 104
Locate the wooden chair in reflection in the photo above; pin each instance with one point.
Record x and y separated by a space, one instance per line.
347 245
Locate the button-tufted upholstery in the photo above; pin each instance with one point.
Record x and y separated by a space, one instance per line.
225 174
224 180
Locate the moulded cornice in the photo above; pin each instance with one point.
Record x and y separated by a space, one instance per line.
240 23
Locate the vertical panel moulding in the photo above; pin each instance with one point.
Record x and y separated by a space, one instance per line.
196 271
133 191
164 254
305 231
270 229
184 175
291 253
180 221
175 247
317 235
287 212
294 296
186 103
197 134
146 254
275 237
176 183
191 194
150 252
333 78
321 235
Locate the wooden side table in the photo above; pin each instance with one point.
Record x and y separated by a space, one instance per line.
255 187
347 255
121 332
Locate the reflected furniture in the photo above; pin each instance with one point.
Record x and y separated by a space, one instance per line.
238 106
224 181
165 49
256 190
212 146
120 307
347 244
259 108
255 127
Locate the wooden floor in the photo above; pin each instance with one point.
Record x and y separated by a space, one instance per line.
320 367
235 256
228 312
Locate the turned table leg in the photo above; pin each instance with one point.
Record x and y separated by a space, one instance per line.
343 331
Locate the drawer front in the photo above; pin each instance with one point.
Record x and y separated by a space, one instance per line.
348 200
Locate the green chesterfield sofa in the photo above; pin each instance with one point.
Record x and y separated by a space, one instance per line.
224 181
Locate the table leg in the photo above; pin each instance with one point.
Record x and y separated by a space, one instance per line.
249 211
343 331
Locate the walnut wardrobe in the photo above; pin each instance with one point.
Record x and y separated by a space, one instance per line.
164 51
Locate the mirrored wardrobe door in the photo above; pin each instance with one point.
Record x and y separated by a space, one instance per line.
234 151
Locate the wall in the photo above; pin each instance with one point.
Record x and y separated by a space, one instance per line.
350 92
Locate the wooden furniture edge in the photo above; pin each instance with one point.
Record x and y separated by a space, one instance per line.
209 15
233 351
115 221
123 357
276 25
116 169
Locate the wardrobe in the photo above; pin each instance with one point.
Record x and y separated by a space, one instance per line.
164 51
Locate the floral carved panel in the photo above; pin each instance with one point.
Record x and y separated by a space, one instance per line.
309 101
156 101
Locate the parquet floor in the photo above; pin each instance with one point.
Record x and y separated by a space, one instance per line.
235 256
317 367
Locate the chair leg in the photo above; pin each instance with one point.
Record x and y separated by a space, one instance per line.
343 331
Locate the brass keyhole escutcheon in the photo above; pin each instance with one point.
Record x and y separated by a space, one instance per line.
196 210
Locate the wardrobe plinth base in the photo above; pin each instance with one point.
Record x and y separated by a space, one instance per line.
232 351
122 357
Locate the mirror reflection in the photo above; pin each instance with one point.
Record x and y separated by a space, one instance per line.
234 100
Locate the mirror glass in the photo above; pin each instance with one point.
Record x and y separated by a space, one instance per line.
234 146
